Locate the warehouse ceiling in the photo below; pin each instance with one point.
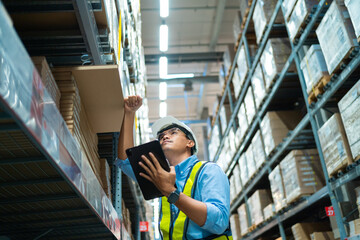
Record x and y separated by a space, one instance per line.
199 32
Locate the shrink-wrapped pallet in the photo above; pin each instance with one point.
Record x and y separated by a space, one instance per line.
249 153
313 66
258 149
334 145
224 115
302 173
235 226
232 189
214 141
287 8
237 178
257 202
277 188
250 105
298 16
236 83
349 107
244 223
244 173
258 85
336 35
243 65
353 7
263 11
273 59
243 123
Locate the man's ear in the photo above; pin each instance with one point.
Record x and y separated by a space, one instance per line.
191 143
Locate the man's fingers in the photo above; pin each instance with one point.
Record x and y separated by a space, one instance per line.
155 161
147 170
146 177
149 164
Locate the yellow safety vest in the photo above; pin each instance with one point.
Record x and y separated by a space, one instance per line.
181 220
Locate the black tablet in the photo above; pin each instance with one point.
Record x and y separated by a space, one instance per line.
134 154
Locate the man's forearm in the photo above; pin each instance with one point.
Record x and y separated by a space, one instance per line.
193 209
126 138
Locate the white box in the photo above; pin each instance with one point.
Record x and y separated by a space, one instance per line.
353 7
277 188
250 105
242 64
258 84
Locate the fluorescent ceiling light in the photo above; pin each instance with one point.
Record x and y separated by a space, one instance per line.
163 65
162 109
164 8
182 75
162 91
164 32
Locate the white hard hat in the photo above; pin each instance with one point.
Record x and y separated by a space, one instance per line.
164 123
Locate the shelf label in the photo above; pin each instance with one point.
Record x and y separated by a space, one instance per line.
330 211
144 226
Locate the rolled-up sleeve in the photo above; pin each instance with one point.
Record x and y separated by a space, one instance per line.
125 166
214 190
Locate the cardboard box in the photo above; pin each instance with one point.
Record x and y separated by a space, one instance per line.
322 236
336 35
257 202
273 59
302 173
258 149
250 105
258 84
235 226
275 127
353 6
314 67
302 231
244 173
349 107
334 145
243 65
243 219
277 188
262 15
298 16
354 227
269 211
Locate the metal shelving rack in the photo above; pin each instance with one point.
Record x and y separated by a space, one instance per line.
325 195
47 190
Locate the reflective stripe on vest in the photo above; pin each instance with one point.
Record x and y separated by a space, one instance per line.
177 232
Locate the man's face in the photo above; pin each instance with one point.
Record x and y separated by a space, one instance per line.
174 139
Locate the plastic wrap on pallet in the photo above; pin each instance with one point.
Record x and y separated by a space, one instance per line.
258 149
224 115
243 169
353 7
244 223
262 15
336 35
334 144
237 26
229 55
302 172
237 177
242 64
235 226
243 122
231 139
349 107
222 159
250 161
273 131
298 16
214 142
277 188
232 189
313 66
257 202
258 85
22 91
250 105
287 7
236 83
273 59
269 211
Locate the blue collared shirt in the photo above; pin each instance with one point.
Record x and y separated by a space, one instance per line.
213 189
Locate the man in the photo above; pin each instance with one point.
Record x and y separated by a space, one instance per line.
199 207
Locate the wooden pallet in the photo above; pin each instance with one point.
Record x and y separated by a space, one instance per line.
345 60
298 199
318 89
252 228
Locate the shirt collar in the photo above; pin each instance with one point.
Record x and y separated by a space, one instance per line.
184 166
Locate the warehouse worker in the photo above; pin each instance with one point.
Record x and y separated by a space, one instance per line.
199 207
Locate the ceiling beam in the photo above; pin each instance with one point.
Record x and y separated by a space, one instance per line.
200 79
190 8
220 9
185 57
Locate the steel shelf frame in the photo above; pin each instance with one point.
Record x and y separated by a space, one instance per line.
22 94
336 82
